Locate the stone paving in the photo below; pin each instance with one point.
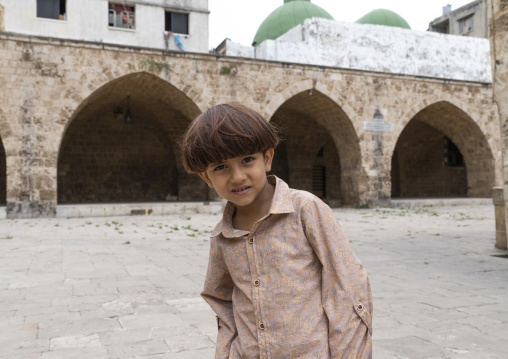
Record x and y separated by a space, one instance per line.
128 287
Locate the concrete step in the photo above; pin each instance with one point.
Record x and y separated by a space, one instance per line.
438 202
160 208
135 209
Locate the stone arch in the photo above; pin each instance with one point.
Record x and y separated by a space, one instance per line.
442 152
104 159
320 137
3 175
7 146
279 98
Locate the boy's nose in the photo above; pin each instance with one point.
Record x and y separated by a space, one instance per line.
237 175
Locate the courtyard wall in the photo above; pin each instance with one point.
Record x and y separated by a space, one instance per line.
56 94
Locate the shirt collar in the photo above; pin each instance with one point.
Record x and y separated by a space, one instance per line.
281 203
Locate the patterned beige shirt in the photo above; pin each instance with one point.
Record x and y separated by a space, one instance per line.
292 287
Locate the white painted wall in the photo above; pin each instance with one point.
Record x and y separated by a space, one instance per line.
378 48
88 20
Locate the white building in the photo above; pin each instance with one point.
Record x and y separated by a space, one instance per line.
160 24
374 48
468 20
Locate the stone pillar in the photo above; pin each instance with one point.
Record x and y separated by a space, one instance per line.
499 206
31 173
498 10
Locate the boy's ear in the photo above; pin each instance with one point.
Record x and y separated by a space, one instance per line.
268 159
205 178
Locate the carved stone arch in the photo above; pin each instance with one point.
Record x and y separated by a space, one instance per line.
315 125
102 158
3 174
277 99
7 147
467 108
422 163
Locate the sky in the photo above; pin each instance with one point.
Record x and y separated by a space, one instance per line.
239 20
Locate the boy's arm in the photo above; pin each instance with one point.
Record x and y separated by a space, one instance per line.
217 292
346 294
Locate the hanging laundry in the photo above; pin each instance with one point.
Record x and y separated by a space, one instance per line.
178 41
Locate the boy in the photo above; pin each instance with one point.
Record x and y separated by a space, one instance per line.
281 277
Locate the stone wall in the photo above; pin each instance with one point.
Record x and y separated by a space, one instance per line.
53 86
103 159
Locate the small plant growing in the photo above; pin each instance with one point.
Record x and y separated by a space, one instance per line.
153 65
225 70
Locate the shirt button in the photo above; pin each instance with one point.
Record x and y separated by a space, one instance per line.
257 282
359 307
262 326
251 240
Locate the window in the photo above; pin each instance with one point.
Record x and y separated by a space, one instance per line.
177 22
51 9
121 15
453 157
466 25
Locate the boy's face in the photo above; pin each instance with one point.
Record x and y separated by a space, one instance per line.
241 180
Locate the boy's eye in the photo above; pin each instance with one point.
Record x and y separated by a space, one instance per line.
220 167
248 159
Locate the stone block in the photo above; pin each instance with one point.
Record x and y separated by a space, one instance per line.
498 196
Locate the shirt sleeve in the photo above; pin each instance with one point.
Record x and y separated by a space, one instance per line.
217 292
346 294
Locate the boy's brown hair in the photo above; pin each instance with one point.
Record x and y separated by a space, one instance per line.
223 132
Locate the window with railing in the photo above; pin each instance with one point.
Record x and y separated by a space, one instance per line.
122 16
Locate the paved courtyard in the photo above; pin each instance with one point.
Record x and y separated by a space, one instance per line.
128 287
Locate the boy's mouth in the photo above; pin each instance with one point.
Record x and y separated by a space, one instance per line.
240 190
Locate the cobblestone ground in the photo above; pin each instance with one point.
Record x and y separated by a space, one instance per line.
128 287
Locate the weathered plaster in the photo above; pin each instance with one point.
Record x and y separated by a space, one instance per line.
376 48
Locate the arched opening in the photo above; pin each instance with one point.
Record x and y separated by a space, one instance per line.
442 153
320 152
3 175
121 145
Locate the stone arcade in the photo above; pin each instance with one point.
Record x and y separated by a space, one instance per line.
65 138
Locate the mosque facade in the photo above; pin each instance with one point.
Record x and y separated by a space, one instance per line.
92 121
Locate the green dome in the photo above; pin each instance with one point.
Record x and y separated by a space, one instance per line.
287 16
384 17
